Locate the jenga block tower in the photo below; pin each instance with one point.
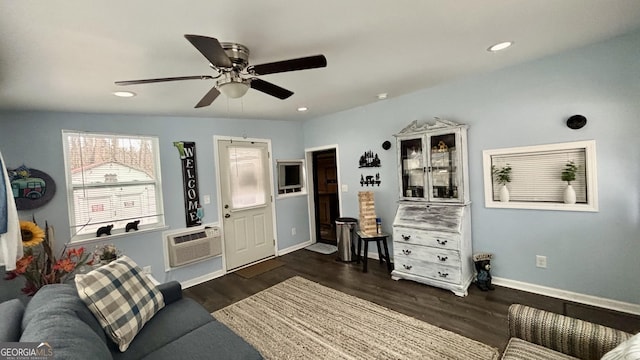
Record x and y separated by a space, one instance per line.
367 212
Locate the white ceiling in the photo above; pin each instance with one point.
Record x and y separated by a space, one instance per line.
64 55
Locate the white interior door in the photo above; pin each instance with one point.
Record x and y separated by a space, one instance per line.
245 186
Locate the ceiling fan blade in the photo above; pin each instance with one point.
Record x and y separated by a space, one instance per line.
208 98
270 89
309 62
211 49
148 81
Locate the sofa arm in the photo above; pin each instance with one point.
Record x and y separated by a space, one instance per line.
171 291
565 334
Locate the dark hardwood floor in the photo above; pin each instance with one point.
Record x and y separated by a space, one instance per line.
481 315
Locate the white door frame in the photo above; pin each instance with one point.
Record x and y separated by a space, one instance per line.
216 138
308 155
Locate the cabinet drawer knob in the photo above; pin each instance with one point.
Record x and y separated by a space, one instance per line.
442 258
442 242
443 275
408 267
406 237
406 251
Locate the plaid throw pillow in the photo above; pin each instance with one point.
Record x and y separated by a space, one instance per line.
121 297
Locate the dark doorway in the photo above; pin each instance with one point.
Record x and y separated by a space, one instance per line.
325 179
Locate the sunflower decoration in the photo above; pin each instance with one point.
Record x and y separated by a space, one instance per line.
40 267
31 233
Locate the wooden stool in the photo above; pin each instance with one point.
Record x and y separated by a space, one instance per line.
378 238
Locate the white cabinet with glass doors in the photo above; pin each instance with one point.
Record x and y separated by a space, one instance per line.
432 162
432 227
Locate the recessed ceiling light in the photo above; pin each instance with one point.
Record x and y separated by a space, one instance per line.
124 94
382 96
303 109
500 46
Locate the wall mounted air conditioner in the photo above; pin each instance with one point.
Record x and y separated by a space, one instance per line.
190 246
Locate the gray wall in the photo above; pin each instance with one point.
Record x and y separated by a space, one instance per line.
34 139
589 253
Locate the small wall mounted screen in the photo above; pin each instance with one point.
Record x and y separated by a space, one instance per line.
290 176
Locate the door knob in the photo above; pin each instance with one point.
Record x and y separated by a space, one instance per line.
226 216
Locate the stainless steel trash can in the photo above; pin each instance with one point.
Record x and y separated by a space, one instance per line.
346 233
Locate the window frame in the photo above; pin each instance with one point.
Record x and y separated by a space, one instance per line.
303 172
74 227
589 147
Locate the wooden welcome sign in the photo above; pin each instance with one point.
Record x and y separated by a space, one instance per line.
187 150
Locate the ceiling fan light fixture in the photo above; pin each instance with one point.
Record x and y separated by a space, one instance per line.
234 89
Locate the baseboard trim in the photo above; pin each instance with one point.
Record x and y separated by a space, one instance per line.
569 295
294 248
200 279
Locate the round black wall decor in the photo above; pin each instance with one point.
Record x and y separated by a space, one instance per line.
31 188
576 122
386 145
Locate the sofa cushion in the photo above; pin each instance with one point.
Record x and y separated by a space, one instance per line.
628 350
69 337
56 315
518 349
122 297
211 341
11 312
169 324
51 298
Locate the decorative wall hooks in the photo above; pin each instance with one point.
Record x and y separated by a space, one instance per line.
369 159
370 180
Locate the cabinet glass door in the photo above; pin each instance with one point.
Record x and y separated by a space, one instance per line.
412 163
443 167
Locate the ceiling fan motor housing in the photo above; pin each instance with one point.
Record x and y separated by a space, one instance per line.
237 53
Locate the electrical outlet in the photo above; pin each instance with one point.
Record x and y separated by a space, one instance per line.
541 261
146 269
293 231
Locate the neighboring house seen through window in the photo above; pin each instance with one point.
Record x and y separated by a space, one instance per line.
112 180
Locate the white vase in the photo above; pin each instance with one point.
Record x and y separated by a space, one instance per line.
504 194
569 195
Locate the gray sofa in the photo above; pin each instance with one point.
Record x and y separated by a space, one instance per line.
183 329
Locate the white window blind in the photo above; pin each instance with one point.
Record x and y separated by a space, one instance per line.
536 176
112 180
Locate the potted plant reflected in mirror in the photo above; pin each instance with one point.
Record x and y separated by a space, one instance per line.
503 177
569 175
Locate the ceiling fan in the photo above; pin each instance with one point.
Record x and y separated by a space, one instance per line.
235 75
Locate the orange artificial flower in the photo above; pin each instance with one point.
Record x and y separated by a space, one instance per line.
23 263
64 265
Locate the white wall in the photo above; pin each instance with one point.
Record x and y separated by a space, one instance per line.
588 253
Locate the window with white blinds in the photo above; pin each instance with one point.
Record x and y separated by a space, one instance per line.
536 176
112 180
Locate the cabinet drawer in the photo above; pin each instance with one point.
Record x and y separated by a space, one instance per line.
432 238
427 269
403 250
